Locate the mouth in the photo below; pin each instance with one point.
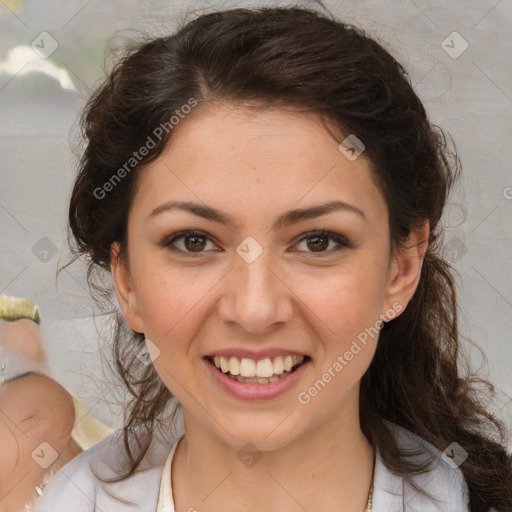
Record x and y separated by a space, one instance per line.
262 371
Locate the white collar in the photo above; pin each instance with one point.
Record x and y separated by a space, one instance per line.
165 496
390 492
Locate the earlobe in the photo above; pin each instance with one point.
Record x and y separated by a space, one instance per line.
406 269
124 289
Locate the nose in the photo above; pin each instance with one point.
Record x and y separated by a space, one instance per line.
255 295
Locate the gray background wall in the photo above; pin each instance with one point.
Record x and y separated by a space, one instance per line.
52 57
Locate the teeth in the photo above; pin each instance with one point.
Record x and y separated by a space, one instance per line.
262 371
247 368
224 366
288 363
234 366
278 365
264 368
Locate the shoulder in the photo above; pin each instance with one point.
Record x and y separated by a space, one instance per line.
443 481
78 486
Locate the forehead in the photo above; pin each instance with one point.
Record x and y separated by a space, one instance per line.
235 158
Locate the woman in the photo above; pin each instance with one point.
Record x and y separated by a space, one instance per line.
266 188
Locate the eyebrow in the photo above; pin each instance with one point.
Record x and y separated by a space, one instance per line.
286 219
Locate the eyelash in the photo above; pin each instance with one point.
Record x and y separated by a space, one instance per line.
341 241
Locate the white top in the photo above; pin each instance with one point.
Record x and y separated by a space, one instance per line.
165 499
75 488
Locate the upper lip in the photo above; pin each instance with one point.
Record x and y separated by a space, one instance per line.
254 354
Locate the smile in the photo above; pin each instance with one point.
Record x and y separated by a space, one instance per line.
263 371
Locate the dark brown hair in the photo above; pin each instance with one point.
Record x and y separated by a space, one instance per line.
299 58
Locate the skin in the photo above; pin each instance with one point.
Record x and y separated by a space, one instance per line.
255 167
34 409
23 336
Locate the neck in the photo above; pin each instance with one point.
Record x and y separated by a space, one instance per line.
328 468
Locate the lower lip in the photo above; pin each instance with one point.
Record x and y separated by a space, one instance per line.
260 392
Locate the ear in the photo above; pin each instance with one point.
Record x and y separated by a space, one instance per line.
405 271
124 289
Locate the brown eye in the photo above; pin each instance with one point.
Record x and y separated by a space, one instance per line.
188 243
318 241
194 243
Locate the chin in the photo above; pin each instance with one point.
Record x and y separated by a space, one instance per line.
266 434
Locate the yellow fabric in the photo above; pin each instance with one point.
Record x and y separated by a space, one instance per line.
13 308
88 430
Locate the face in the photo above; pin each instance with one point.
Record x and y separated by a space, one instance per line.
255 287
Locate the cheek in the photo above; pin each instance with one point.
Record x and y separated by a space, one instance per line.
171 303
346 319
164 292
346 300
